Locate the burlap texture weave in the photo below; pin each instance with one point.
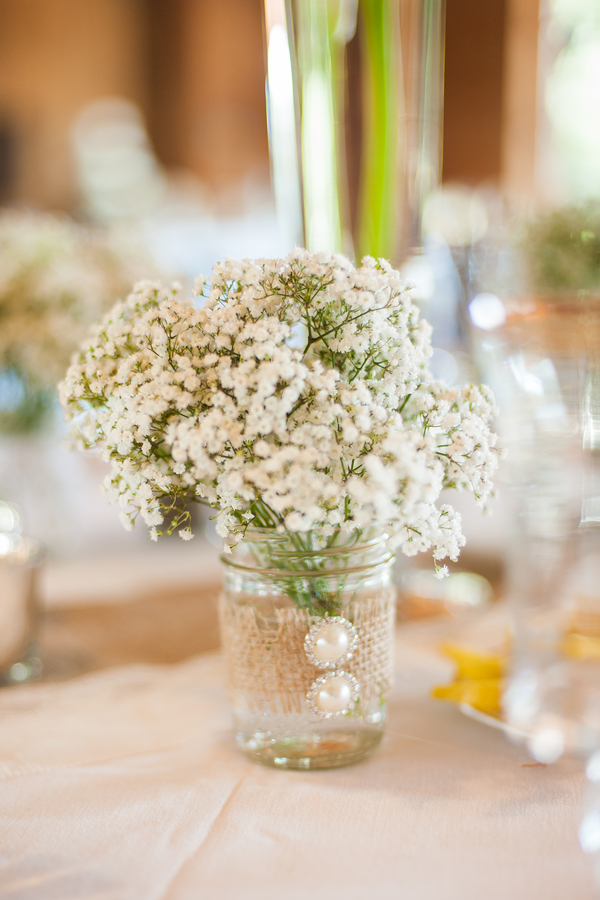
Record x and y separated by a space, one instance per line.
267 665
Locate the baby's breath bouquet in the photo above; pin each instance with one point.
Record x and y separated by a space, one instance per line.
297 399
297 403
56 279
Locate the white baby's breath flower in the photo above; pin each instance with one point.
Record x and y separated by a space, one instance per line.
298 398
126 521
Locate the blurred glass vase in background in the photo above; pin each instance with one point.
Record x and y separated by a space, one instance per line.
354 100
539 349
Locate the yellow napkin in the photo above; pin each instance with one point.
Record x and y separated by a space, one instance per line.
478 680
581 646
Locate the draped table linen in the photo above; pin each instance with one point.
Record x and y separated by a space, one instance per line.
126 784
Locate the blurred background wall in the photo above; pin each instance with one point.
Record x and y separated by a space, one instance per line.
56 57
195 68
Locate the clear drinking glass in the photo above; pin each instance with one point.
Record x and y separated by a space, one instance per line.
541 355
307 627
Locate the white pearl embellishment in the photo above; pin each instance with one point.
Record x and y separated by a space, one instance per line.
330 642
333 695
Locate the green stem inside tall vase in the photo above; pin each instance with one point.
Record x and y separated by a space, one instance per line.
381 98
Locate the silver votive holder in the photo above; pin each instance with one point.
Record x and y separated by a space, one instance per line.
20 557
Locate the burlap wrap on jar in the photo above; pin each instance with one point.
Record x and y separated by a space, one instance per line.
268 668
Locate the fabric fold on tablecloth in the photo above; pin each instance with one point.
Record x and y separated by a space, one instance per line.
111 714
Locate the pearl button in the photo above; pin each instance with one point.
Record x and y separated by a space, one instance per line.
334 695
331 643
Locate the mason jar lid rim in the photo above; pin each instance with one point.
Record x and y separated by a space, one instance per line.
311 573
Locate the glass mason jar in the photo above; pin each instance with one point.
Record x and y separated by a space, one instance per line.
307 625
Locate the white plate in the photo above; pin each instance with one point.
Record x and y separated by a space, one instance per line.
492 721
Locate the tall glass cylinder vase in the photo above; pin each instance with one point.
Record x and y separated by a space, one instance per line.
354 99
307 625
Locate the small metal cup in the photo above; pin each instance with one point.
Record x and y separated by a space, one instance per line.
20 557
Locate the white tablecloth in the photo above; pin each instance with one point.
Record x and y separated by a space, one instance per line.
126 785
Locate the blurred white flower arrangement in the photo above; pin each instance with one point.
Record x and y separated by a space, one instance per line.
56 278
297 398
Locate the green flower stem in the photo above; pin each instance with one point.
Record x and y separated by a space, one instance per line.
379 183
307 590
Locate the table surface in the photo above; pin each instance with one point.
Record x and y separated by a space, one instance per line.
120 780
